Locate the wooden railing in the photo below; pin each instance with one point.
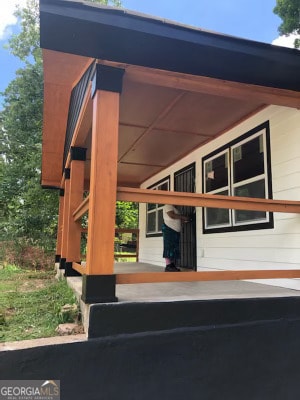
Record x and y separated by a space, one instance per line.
206 200
197 200
81 209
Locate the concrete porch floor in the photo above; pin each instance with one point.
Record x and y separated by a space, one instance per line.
176 291
147 307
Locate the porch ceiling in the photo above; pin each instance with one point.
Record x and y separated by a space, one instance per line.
160 125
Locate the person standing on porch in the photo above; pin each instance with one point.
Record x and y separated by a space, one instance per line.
171 229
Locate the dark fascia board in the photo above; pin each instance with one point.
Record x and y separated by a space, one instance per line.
118 35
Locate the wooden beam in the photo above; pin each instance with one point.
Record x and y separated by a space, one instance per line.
198 200
103 182
206 200
155 277
81 209
64 245
75 198
218 87
60 225
79 268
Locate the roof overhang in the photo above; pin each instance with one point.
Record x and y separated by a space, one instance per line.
118 35
161 60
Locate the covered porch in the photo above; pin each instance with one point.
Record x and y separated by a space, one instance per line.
116 99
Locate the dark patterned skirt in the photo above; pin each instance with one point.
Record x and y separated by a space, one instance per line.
171 243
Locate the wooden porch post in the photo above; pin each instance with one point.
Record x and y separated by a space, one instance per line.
99 282
59 225
64 241
78 156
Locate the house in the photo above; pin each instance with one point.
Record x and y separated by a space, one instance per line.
142 109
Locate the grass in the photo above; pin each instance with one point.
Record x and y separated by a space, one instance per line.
30 303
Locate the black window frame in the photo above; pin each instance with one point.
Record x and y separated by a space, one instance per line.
157 233
268 173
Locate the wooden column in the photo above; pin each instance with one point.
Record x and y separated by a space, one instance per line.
99 282
78 156
64 238
59 225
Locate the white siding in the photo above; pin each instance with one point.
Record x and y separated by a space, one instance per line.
267 248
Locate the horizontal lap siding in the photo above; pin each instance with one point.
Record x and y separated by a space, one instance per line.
270 248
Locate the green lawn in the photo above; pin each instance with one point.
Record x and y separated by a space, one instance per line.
30 303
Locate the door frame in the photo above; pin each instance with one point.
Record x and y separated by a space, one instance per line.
188 244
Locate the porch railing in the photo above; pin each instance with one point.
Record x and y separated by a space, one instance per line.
198 200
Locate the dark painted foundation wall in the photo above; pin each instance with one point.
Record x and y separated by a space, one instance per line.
256 360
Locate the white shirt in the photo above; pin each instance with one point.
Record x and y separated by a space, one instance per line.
172 223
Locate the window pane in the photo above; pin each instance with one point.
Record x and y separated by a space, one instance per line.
151 206
248 160
151 219
163 186
254 189
216 217
216 173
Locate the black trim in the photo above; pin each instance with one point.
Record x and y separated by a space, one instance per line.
69 271
62 263
168 177
61 192
107 78
121 36
67 173
99 289
76 101
184 169
250 227
57 258
78 153
188 237
50 187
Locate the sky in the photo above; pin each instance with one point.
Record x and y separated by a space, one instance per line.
249 19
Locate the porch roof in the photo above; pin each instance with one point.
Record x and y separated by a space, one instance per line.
182 86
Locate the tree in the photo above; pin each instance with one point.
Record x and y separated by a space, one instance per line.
21 195
28 212
126 214
289 12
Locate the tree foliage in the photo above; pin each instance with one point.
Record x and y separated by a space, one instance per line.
289 12
28 212
126 214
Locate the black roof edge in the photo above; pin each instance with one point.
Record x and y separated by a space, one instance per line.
123 36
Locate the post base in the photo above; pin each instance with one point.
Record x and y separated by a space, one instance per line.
99 289
69 271
62 263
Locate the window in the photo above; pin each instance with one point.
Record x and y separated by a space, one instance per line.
155 211
241 168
